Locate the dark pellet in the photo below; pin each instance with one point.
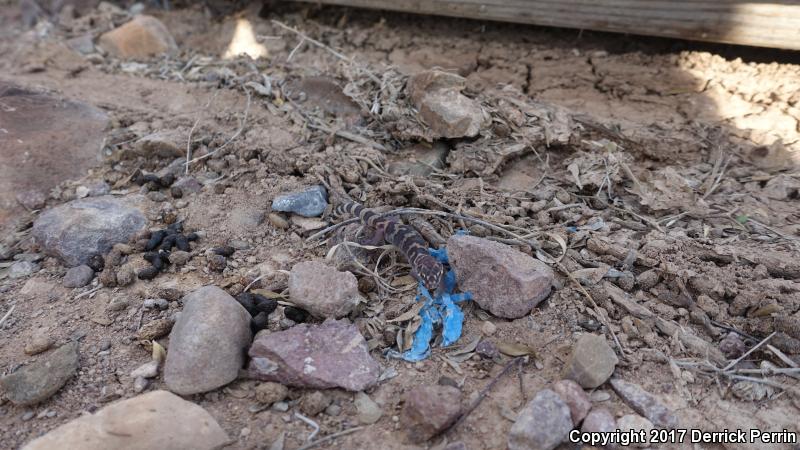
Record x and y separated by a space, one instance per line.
167 180
259 322
155 259
168 242
247 300
225 250
164 256
296 314
264 304
148 273
155 240
146 178
176 227
176 192
191 237
182 243
96 262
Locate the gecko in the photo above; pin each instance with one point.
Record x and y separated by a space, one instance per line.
424 267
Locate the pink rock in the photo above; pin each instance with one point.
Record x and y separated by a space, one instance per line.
504 281
428 410
575 397
333 354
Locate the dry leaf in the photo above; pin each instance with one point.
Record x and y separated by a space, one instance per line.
159 354
514 349
410 314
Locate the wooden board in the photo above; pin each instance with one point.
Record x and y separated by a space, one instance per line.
757 22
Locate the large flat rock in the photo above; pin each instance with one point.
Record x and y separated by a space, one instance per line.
77 230
156 420
45 140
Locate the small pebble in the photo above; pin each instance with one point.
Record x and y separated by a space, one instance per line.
140 384
278 221
488 328
333 410
27 416
153 303
38 344
125 276
280 406
217 263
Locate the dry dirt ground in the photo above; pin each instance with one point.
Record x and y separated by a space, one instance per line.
685 154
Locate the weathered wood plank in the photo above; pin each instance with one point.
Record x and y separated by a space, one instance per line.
757 22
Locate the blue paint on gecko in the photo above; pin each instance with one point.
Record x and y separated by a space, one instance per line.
442 309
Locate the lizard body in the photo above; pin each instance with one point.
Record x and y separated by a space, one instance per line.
424 267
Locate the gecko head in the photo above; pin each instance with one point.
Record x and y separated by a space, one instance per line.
431 273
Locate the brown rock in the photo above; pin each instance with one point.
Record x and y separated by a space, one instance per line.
429 410
441 105
142 37
158 419
155 329
46 140
269 393
332 354
504 281
322 290
575 397
38 344
314 403
592 361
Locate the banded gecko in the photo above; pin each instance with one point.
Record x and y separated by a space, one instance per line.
424 267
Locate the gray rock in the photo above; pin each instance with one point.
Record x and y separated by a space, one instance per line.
22 269
458 445
599 420
207 342
542 424
592 361
645 404
504 281
369 412
156 420
732 346
43 378
635 424
82 44
188 185
426 160
310 202
428 410
78 276
146 370
322 290
575 397
330 355
77 230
